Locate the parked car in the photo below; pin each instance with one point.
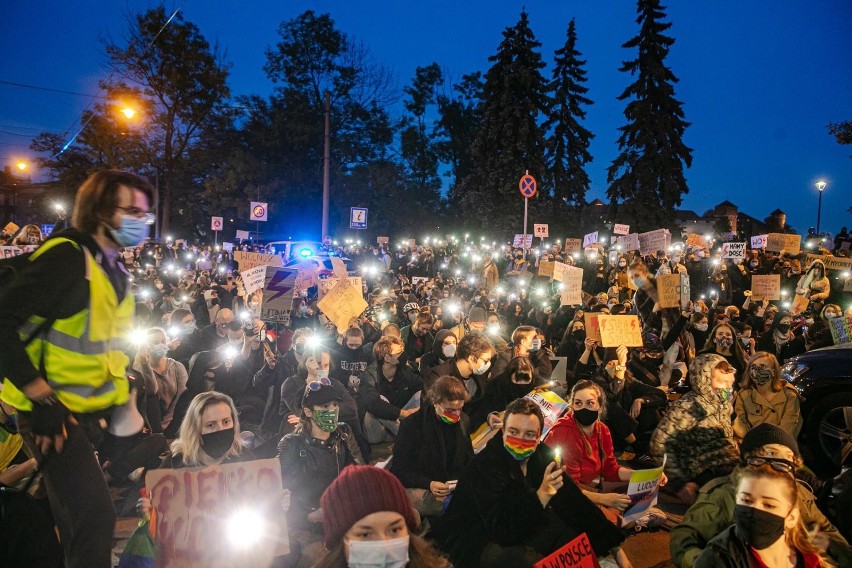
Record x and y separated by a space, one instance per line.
823 377
323 264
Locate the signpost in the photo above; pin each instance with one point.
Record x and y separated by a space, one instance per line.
527 185
216 224
259 212
357 218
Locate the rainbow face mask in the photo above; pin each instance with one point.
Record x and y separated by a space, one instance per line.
519 448
448 418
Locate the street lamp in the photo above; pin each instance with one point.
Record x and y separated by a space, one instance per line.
22 166
820 185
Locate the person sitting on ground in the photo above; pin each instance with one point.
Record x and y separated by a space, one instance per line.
525 343
766 397
722 340
714 509
472 366
165 379
443 349
418 338
433 446
515 382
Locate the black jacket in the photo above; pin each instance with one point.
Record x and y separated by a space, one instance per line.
498 394
396 393
449 368
543 368
725 550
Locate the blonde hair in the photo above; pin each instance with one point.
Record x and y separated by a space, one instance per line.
188 442
777 380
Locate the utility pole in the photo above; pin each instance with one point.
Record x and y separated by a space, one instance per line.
326 166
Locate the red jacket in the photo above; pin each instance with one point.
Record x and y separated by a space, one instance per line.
586 458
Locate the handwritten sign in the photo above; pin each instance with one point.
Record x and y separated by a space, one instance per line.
759 241
841 329
620 229
590 239
695 240
572 245
541 231
572 287
278 287
593 328
799 304
307 276
194 506
620 330
628 243
766 287
382 240
559 270
342 303
733 250
326 284
552 406
9 252
253 278
673 290
643 490
521 242
545 268
242 235
776 242
247 260
652 241
832 262
576 554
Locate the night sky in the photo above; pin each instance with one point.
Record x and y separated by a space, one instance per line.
759 80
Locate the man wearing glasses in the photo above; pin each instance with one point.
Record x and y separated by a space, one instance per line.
64 321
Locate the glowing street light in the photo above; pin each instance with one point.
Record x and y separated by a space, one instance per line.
820 185
22 166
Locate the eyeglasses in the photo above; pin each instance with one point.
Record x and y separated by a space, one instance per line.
777 464
317 384
139 214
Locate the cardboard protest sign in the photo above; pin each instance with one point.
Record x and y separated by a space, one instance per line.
759 241
10 228
9 252
643 490
559 270
342 303
620 330
590 239
545 268
242 235
576 554
799 304
552 406
673 290
520 242
326 284
766 287
572 245
652 241
483 435
733 250
695 240
593 330
841 330
620 229
278 287
831 262
247 260
628 243
195 508
572 287
253 278
776 242
382 240
307 276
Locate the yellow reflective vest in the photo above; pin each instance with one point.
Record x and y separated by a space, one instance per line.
81 356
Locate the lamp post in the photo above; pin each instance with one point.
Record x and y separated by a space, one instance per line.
820 185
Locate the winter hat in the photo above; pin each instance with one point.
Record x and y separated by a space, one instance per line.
317 394
476 315
358 491
766 433
411 307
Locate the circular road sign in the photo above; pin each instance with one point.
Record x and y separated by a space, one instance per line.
527 185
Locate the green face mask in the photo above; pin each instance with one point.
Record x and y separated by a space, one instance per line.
326 419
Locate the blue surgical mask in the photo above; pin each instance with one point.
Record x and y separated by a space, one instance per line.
159 350
130 232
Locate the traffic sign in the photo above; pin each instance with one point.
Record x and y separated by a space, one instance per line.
47 229
358 218
259 211
541 231
216 223
527 185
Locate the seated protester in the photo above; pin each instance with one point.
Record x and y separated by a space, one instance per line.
474 322
573 344
633 408
185 337
779 339
697 328
515 382
443 349
433 446
369 522
233 377
224 326
590 359
696 435
765 397
272 376
471 365
768 528
386 388
312 457
587 451
418 338
723 341
714 509
525 343
165 379
351 360
512 507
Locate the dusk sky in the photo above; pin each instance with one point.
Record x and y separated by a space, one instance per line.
759 80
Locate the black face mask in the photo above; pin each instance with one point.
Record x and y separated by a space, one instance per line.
757 528
586 417
579 335
217 444
784 327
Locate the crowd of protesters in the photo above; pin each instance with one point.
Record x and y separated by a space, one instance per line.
456 333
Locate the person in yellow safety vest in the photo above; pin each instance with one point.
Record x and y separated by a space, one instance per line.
64 320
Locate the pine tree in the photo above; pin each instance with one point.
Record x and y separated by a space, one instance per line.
568 141
510 138
648 175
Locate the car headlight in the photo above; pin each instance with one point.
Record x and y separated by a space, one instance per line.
793 370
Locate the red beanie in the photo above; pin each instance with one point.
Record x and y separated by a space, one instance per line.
358 491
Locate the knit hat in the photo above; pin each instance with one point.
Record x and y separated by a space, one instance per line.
766 433
476 315
411 307
358 491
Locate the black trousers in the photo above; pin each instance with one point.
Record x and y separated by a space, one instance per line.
78 494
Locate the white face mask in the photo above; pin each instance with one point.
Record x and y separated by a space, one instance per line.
379 553
322 373
449 350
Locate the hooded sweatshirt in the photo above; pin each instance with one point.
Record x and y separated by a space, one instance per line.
696 434
436 356
818 288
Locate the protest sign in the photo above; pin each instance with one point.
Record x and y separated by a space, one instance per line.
593 330
620 229
559 270
759 241
9 252
326 284
572 287
841 329
520 242
242 235
342 303
307 276
652 241
673 290
620 330
382 240
576 554
228 247
733 250
415 280
552 406
248 260
339 268
10 228
643 490
590 239
695 240
572 245
628 243
483 435
253 278
831 262
545 268
798 305
278 287
541 230
766 287
195 508
776 242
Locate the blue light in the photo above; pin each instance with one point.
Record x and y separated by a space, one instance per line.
306 253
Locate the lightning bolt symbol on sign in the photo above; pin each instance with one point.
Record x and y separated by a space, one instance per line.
279 284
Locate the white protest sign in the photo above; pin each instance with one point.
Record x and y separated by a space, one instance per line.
620 229
572 286
759 241
653 241
628 243
278 288
243 235
520 241
552 406
831 262
540 231
590 239
247 260
253 278
326 284
228 247
9 252
733 250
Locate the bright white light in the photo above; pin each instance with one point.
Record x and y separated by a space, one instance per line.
245 528
174 331
312 341
539 291
471 280
845 274
522 283
458 272
230 352
246 315
138 336
169 238
501 290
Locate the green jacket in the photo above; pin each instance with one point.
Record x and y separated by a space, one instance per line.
713 511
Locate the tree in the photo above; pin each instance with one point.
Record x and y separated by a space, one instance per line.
416 144
648 175
842 131
510 138
568 141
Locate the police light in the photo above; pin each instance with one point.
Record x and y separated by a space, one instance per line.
306 253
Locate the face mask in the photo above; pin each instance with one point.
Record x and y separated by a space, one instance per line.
378 553
446 417
760 375
725 394
639 282
449 350
483 369
299 348
701 326
579 335
159 350
303 310
622 264
325 419
217 444
759 529
519 448
675 259
831 315
188 327
586 417
130 232
784 327
536 344
724 343
745 340
321 373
